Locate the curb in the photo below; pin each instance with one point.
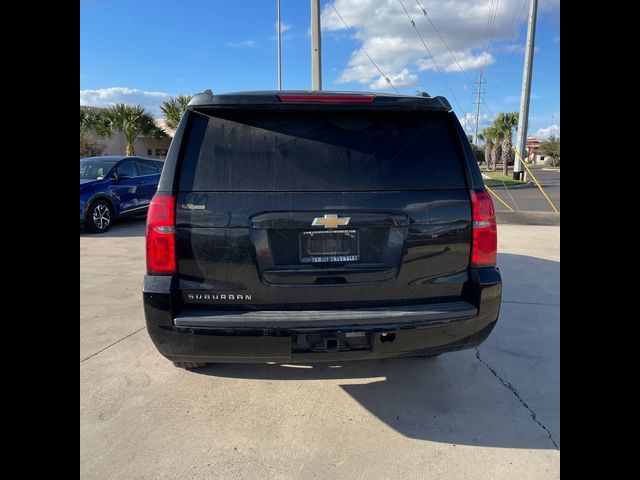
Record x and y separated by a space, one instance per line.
528 218
527 185
515 187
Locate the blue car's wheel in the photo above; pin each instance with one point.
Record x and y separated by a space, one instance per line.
99 217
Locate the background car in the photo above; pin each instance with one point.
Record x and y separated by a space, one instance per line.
112 187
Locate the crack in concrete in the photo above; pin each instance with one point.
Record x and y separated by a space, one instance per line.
109 346
512 389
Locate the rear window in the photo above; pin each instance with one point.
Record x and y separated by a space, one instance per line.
321 151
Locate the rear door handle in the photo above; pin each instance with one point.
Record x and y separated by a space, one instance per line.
140 182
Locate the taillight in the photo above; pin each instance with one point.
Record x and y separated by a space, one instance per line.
484 244
287 97
161 235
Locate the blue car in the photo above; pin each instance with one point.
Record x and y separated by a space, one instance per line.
113 187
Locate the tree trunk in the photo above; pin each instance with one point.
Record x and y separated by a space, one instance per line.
130 150
506 154
495 155
487 155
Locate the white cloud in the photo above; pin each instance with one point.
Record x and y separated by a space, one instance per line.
548 131
245 43
107 97
382 28
283 26
465 60
513 48
402 79
468 122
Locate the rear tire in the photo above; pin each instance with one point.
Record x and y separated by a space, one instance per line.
190 365
99 217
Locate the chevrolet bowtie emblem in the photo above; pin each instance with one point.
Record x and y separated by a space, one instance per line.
330 221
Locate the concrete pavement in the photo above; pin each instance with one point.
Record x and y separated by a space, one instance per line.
491 413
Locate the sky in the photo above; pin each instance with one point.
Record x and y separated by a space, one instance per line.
145 51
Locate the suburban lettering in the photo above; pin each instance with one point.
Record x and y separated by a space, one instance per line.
218 296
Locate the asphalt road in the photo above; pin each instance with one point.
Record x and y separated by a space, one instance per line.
490 413
529 198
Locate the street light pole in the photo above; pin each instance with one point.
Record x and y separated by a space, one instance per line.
279 52
316 57
526 90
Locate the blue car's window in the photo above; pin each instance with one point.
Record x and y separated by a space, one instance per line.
95 169
127 169
147 167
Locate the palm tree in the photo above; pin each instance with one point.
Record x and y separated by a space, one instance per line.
132 122
173 110
496 151
491 137
506 123
488 144
88 119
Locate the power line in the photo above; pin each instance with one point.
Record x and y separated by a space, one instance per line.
493 115
490 27
493 14
388 80
486 33
517 41
442 39
471 83
514 36
493 9
478 102
413 24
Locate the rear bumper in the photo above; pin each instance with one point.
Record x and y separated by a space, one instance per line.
299 336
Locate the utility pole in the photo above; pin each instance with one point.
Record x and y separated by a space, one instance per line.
478 101
526 90
316 57
279 52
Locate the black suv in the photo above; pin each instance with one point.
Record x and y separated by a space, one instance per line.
318 226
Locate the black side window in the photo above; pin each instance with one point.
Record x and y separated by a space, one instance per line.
127 168
147 167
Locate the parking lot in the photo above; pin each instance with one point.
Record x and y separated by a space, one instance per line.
490 413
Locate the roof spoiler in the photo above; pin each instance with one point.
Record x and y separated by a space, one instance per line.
420 100
204 98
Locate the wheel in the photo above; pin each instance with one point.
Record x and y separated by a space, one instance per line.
99 217
189 365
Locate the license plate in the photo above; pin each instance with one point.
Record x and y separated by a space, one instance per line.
319 246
